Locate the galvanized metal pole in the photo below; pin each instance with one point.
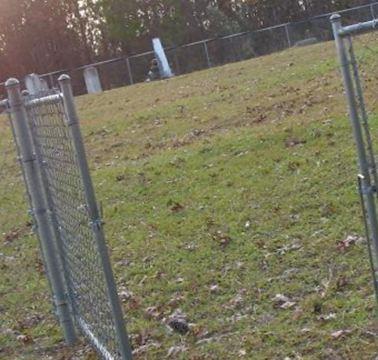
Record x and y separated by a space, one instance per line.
39 206
51 77
288 34
367 188
207 54
364 114
96 222
367 231
129 71
372 12
35 227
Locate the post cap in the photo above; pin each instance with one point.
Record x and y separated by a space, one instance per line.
64 77
335 17
12 82
25 92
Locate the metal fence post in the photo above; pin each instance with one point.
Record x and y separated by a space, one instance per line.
367 188
364 115
39 206
96 222
288 34
207 54
35 228
129 71
372 12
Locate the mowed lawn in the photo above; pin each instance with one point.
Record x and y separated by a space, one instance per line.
228 195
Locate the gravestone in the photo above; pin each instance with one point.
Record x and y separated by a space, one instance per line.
34 84
92 80
164 68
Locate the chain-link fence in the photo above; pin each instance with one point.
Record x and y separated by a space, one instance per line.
368 177
203 54
63 203
219 51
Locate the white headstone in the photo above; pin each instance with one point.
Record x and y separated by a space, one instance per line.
34 84
92 80
165 69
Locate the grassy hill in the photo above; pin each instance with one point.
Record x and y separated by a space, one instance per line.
221 190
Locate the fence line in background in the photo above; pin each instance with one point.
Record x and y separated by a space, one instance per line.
221 50
70 230
211 52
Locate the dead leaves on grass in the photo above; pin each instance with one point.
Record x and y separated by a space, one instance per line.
221 238
16 233
340 334
292 142
348 242
283 302
175 207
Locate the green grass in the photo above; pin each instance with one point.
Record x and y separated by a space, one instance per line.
257 216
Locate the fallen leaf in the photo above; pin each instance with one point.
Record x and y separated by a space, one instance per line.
145 348
25 339
120 178
153 312
175 350
214 289
340 334
283 302
242 353
350 240
223 239
288 305
328 317
175 300
294 142
175 206
29 322
190 247
298 313
341 282
125 295
235 302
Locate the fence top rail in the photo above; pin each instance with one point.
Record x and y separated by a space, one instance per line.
101 63
359 28
53 73
48 99
142 54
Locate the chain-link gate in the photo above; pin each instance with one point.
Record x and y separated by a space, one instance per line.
368 178
67 220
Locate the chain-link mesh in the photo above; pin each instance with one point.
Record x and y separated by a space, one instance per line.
86 283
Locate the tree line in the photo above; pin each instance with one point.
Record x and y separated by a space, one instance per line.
46 35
